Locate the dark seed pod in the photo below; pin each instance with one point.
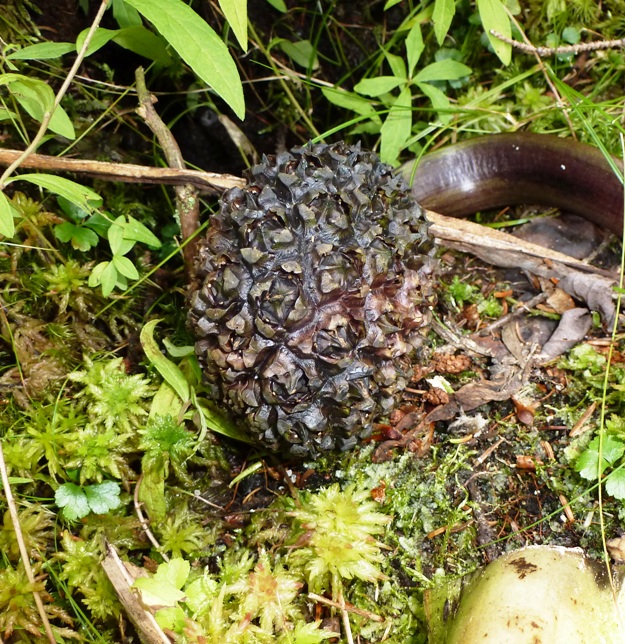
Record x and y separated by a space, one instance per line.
313 288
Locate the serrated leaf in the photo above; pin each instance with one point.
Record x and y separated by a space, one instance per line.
72 500
175 572
170 371
414 47
442 70
494 18
65 231
75 213
136 231
397 127
235 12
157 593
125 267
164 588
443 14
79 195
198 45
615 484
99 224
42 51
588 464
103 497
612 448
7 212
378 86
81 238
172 618
143 42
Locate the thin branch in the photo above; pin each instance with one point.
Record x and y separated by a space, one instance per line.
187 202
22 546
64 87
545 52
205 182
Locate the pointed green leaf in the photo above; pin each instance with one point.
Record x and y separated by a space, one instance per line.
414 47
170 371
96 274
439 100
495 18
42 51
33 95
117 238
108 279
79 195
136 231
236 15
198 45
444 11
125 15
397 65
143 42
125 267
349 101
278 5
100 37
378 86
301 52
152 491
396 129
442 70
7 212
61 124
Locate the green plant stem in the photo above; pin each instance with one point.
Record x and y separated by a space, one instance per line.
285 85
59 96
22 546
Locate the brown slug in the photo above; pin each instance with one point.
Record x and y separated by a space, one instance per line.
520 168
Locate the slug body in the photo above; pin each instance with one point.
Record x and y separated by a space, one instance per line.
520 168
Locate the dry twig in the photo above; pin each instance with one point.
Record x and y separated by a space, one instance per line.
19 537
545 52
